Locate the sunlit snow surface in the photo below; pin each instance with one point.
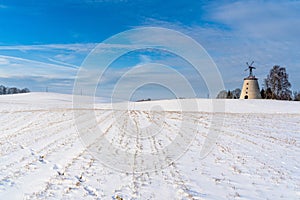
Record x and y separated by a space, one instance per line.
256 156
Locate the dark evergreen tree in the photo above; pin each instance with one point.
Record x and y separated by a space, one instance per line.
229 95
2 89
25 90
263 93
296 96
236 93
269 94
13 90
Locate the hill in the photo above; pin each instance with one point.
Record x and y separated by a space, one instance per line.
253 155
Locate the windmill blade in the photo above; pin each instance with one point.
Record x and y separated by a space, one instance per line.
252 63
247 64
246 69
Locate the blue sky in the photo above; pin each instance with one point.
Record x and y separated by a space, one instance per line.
43 43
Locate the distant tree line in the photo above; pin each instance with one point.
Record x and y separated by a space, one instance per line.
234 94
277 86
141 100
12 90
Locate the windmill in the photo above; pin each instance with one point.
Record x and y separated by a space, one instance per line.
250 68
250 88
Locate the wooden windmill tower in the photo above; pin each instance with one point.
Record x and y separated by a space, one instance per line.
250 88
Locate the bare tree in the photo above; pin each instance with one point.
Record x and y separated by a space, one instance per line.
277 84
222 94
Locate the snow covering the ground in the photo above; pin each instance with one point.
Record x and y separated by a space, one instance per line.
256 156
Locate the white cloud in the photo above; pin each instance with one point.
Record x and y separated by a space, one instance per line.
4 61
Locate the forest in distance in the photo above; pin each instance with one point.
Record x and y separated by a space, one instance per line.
12 90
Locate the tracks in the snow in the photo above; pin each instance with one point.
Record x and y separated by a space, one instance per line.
45 143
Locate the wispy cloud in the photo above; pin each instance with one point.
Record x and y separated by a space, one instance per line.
50 64
80 47
53 66
64 63
4 61
123 84
9 60
265 19
34 74
240 31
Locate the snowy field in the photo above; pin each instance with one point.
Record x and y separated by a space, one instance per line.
256 156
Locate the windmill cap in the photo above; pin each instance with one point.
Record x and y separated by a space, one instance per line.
250 78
